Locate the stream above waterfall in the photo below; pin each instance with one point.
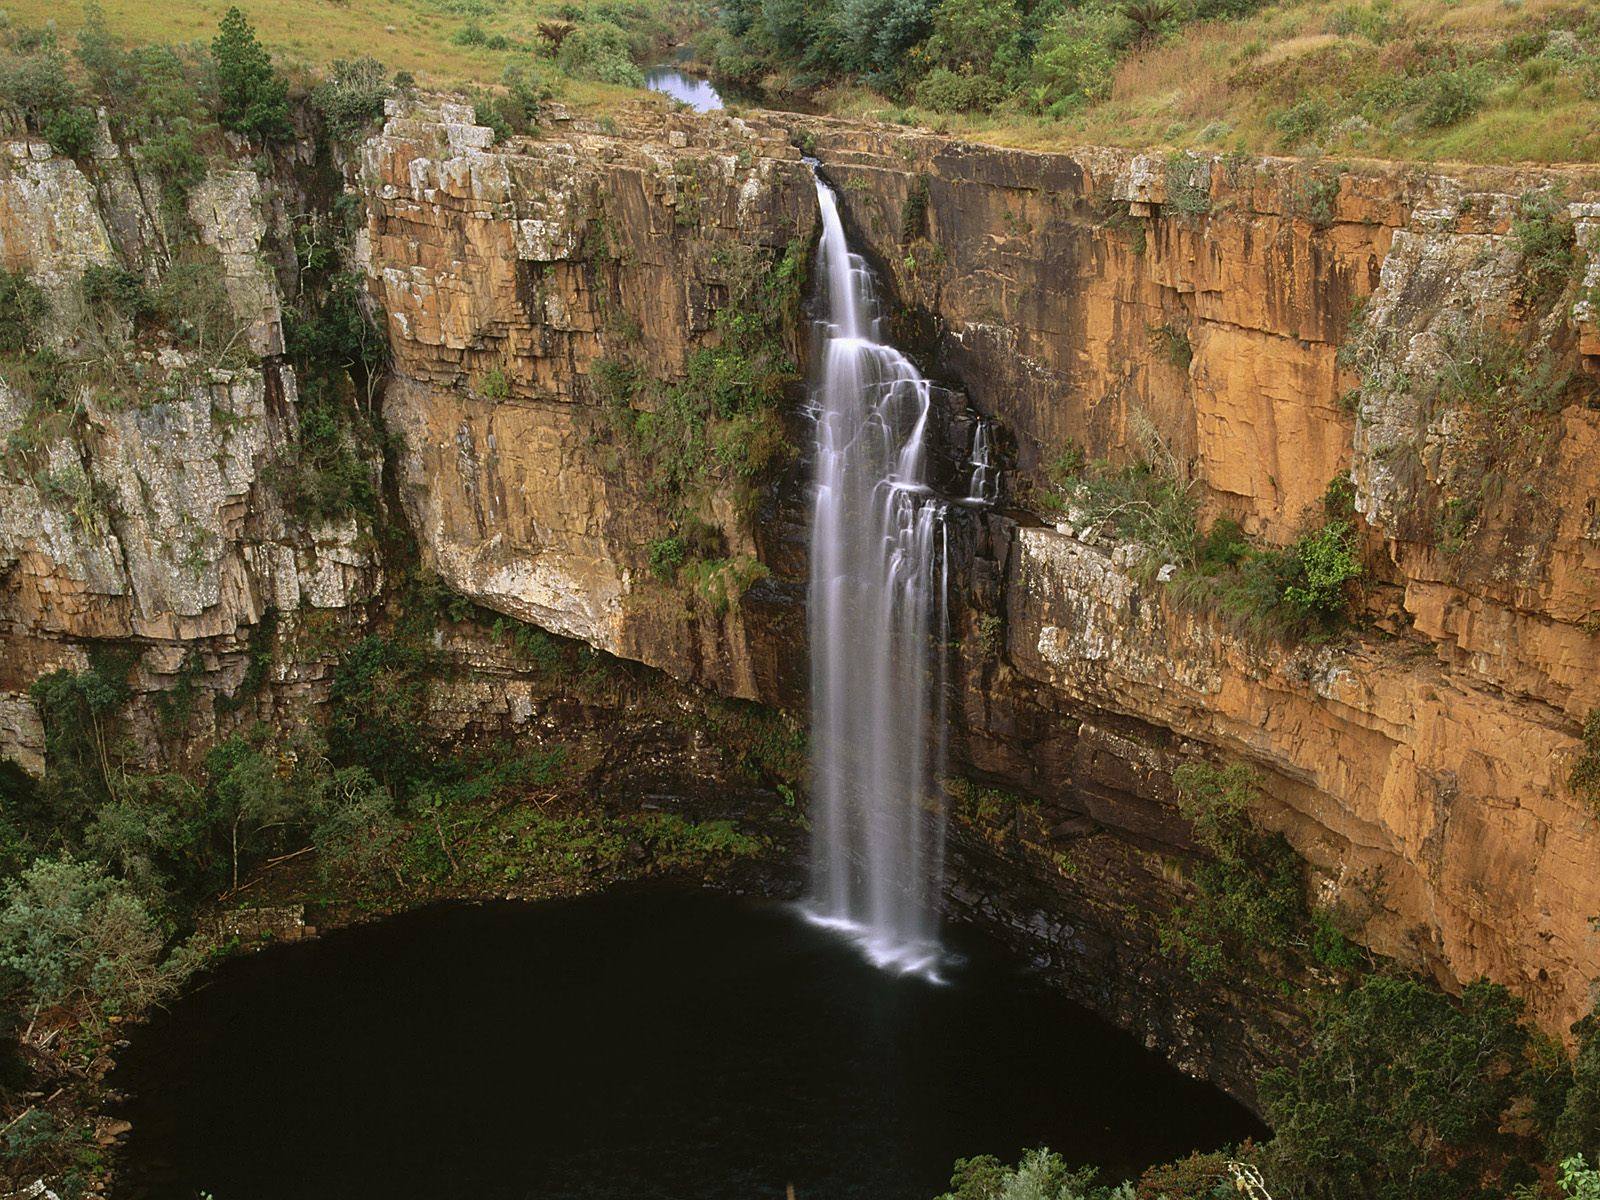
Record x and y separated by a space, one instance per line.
641 1043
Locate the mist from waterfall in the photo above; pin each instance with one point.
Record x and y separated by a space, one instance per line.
879 625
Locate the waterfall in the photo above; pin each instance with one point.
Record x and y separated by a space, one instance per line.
877 620
983 473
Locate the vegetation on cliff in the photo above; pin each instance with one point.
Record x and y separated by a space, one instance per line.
1304 589
1400 78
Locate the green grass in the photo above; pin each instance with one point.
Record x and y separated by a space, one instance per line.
419 36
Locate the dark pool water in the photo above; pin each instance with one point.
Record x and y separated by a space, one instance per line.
638 1044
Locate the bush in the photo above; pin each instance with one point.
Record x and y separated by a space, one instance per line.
1075 59
600 51
1544 235
1040 1175
378 701
1401 1094
252 98
1584 779
24 310
352 97
1325 562
354 826
1446 97
1249 895
75 935
36 83
944 90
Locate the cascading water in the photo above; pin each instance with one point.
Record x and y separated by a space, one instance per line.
878 621
984 482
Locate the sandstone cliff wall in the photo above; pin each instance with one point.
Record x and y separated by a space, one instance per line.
1419 766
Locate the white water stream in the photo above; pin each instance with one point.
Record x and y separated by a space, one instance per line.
879 625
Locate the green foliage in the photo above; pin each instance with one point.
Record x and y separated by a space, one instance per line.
1401 1094
1325 562
1040 1175
1584 778
24 310
77 709
1544 235
354 824
34 81
326 476
1172 343
1248 898
351 98
1075 59
75 935
252 98
667 554
516 107
1577 1126
600 50
946 90
1301 590
914 212
153 102
1188 188
1147 504
1578 1180
720 428
378 699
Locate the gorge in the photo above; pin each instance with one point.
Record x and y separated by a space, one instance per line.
1188 563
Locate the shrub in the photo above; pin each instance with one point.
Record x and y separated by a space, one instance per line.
667 554
75 935
1584 779
1249 896
1188 188
1075 58
944 90
354 826
352 97
1544 235
1040 1175
1401 1094
23 312
1147 504
1577 1126
600 51
252 98
378 700
117 290
1446 97
36 83
1326 562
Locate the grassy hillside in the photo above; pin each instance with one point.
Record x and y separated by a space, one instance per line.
440 42
1476 80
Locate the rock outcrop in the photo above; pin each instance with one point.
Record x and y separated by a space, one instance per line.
1275 324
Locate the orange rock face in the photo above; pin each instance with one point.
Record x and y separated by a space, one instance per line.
1082 296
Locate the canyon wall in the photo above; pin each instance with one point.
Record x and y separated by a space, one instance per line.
1270 322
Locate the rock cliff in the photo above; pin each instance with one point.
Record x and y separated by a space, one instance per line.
1275 323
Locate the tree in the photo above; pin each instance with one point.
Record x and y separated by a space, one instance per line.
1401 1095
252 98
74 934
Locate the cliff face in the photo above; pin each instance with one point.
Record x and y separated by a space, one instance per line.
140 508
1432 758
1276 324
509 277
